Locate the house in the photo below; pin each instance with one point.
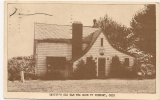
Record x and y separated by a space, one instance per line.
60 47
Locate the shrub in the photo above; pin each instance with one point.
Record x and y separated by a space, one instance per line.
13 74
16 64
117 70
56 75
150 70
80 71
145 66
130 72
85 70
146 70
91 68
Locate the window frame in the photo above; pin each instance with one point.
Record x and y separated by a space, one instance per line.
101 42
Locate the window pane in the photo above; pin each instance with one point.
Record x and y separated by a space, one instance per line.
101 42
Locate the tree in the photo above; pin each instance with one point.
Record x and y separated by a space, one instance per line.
116 33
143 26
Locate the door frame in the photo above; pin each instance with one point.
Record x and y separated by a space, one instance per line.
98 66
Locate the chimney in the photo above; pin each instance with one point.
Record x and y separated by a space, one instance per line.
76 39
94 23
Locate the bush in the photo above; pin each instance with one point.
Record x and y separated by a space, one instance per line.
117 68
130 72
85 70
146 70
30 76
13 74
53 75
80 71
91 69
150 70
17 64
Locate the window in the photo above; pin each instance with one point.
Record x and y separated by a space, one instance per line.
126 62
101 42
56 63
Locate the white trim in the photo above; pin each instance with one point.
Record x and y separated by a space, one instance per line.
98 66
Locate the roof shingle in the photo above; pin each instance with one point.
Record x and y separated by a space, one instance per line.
53 31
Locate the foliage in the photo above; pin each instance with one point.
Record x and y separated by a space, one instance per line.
115 62
79 73
115 32
117 70
85 70
143 26
146 70
150 70
144 58
16 64
131 71
56 75
140 36
91 68
13 73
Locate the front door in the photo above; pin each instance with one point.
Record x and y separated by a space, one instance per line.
101 67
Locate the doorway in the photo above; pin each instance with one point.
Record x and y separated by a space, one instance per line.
101 67
55 67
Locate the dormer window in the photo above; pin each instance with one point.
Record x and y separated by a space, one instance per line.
101 42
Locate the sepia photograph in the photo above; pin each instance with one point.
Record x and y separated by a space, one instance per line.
80 50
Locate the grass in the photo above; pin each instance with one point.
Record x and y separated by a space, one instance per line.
84 86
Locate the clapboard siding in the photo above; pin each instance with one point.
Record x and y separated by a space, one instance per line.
109 53
51 49
65 50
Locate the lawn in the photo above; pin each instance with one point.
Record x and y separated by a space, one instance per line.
84 86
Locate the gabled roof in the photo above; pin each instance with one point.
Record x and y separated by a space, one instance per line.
52 31
94 38
64 32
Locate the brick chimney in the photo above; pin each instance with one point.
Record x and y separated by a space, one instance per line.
77 29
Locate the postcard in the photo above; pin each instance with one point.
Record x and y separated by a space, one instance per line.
81 50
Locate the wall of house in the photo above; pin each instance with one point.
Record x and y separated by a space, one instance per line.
108 54
51 49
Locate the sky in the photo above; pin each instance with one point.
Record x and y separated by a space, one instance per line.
20 30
